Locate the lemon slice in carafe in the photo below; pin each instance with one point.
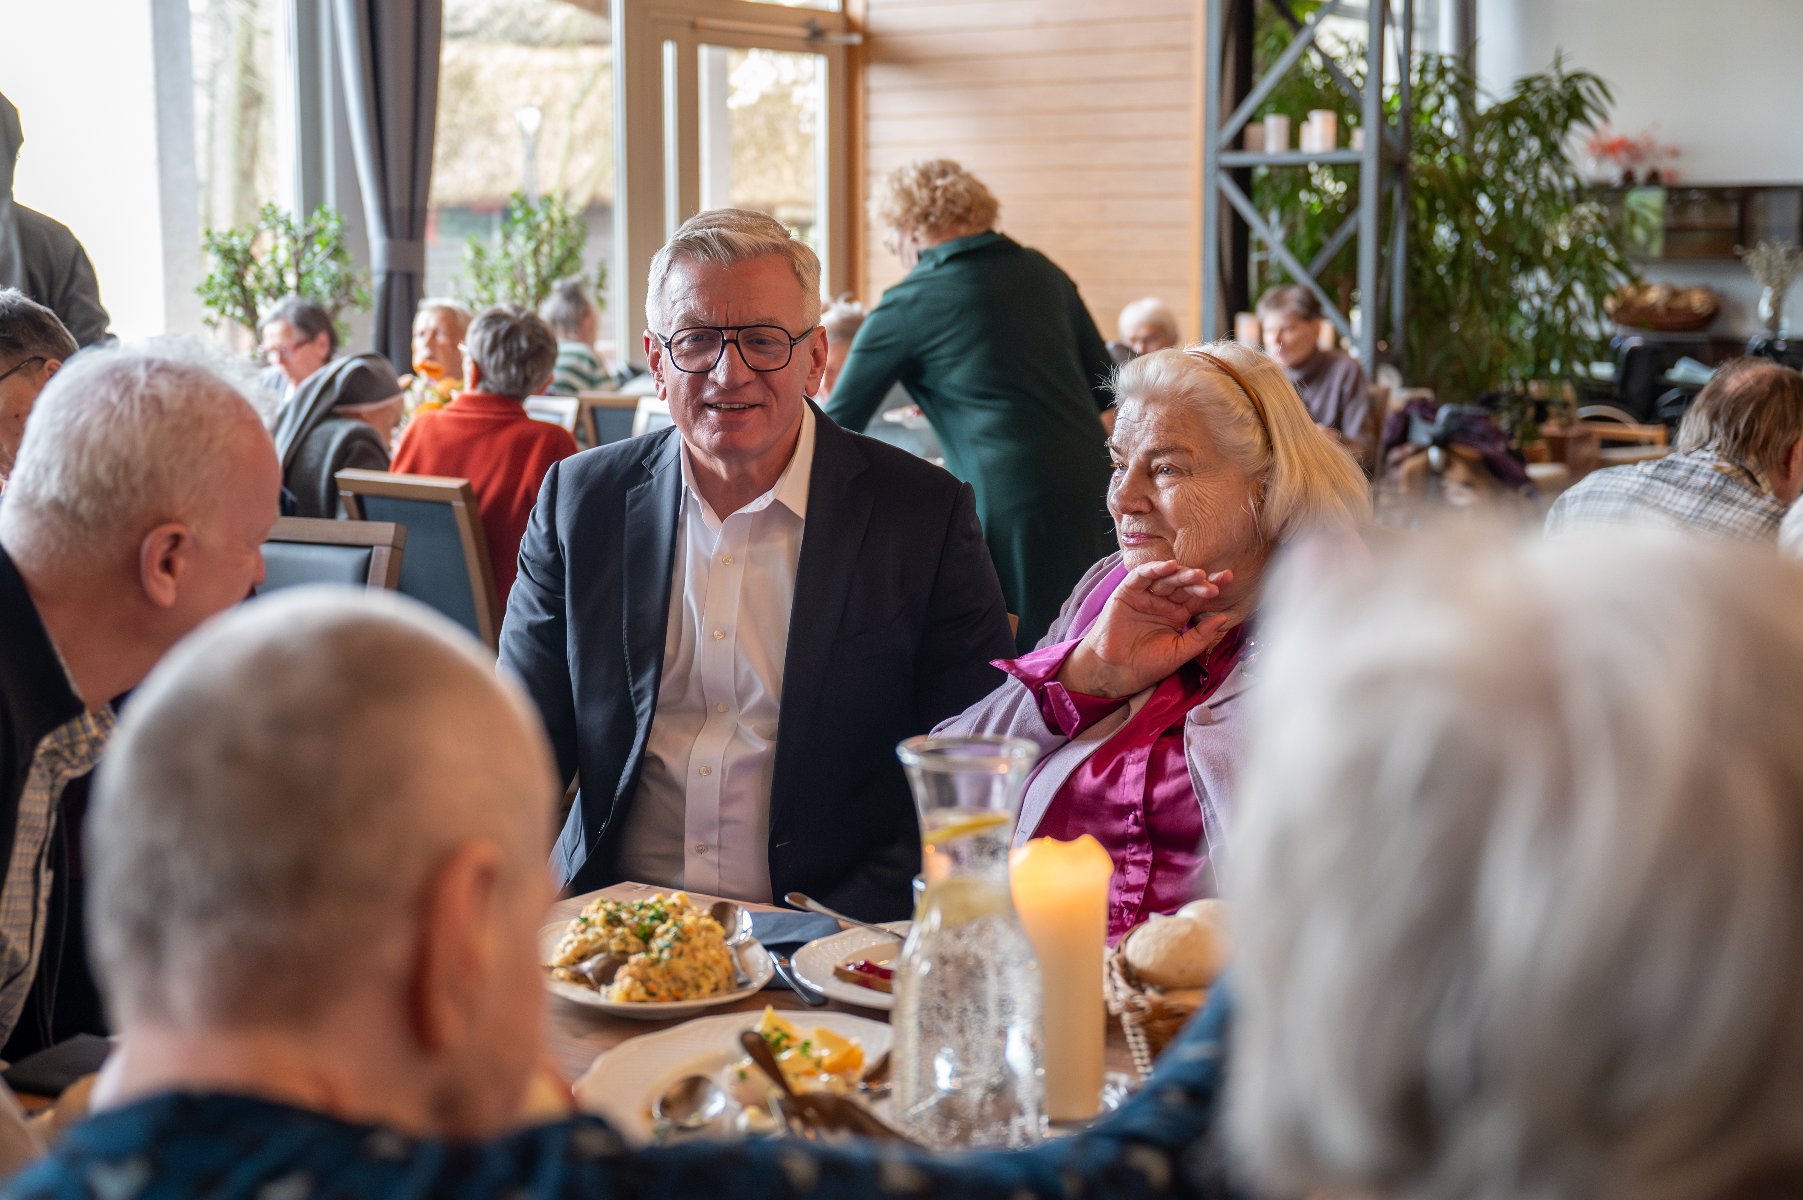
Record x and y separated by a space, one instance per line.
962 826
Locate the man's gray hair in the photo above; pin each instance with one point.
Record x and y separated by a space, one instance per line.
727 237
280 789
308 318
119 442
567 307
1519 873
515 349
28 329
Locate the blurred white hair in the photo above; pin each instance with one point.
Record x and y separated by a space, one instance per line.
281 787
727 237
1149 310
1519 874
120 440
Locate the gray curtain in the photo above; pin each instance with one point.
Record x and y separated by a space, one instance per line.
388 58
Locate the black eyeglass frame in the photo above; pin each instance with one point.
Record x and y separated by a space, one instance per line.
39 358
725 341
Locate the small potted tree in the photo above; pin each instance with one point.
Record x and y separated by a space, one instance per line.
253 266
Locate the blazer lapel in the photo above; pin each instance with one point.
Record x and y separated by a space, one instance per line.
838 512
647 550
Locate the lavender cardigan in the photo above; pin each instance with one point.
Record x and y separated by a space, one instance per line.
1211 733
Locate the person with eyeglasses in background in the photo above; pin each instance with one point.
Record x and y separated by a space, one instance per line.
33 346
728 625
297 338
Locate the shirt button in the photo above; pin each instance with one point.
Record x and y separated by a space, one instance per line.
718 634
726 560
701 847
707 771
720 708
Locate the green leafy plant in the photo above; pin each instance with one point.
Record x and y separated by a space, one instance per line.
539 242
255 265
1510 251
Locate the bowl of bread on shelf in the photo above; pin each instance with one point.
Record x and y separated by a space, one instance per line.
1160 972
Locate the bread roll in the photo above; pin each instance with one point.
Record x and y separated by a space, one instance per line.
1212 911
1177 952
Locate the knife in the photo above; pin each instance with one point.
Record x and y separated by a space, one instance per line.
810 995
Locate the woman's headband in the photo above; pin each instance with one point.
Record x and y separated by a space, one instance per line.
1258 406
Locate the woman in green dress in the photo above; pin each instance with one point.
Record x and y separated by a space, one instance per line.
995 345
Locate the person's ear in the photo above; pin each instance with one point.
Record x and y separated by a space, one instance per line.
817 354
1794 470
453 950
654 361
472 374
51 367
163 556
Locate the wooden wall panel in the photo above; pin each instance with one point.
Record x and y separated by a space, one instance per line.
1083 118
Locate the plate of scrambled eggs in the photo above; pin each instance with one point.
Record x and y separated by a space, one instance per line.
673 958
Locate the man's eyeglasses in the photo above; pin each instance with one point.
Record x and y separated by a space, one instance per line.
20 366
698 349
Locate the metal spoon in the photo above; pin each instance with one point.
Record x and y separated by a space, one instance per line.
597 971
687 1105
801 900
875 1080
735 919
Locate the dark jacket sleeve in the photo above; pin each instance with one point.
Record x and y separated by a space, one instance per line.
967 623
78 299
879 355
535 632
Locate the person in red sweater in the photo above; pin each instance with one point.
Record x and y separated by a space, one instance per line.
484 435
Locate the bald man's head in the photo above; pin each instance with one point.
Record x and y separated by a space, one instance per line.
281 790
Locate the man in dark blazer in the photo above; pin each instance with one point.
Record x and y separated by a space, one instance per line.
728 625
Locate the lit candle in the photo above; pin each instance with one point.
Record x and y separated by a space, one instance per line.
1246 330
1061 893
1327 128
1277 133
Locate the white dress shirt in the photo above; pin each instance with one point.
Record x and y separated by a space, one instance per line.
701 816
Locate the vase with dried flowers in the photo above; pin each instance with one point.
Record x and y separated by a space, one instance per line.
1775 265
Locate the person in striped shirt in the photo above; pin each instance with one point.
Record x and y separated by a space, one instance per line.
575 319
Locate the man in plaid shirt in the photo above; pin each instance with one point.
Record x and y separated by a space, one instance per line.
1737 466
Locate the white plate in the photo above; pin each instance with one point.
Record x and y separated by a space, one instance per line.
752 956
621 1084
815 961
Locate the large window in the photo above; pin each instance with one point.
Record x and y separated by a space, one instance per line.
525 103
762 118
238 87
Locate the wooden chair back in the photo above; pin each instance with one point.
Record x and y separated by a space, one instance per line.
561 411
606 416
446 567
304 550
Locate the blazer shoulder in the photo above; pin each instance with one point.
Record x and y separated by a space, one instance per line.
619 464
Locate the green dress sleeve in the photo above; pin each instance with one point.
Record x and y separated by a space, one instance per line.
879 355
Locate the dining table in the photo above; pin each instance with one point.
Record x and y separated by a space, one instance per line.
579 1034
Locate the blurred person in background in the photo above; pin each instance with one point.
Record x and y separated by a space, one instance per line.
1735 468
1146 325
33 347
298 337
40 256
438 330
344 415
995 345
576 320
484 435
1331 382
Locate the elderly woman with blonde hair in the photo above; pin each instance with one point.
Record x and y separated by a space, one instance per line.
1134 696
993 342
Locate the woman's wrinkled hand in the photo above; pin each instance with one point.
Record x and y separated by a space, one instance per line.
1153 624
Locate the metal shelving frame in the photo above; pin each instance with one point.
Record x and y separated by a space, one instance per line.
1382 164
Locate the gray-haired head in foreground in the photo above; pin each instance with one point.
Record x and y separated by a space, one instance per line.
28 329
727 237
515 349
1519 872
308 319
567 307
119 441
278 790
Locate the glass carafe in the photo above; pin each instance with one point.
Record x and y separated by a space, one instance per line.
968 1065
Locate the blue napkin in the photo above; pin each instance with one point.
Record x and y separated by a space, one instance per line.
788 930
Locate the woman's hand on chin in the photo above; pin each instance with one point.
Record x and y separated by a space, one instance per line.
1153 624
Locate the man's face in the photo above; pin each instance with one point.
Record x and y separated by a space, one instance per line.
1290 339
435 343
228 539
737 419
22 377
1146 337
297 355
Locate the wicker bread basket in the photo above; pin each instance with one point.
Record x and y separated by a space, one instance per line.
1149 1017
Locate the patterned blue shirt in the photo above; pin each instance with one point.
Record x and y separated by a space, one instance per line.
1159 1145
